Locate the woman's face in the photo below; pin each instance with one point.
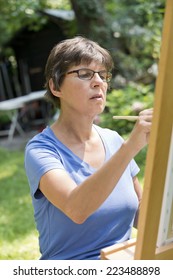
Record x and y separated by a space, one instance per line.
86 97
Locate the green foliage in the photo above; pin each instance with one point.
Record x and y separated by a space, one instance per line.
57 4
135 47
136 27
141 160
15 14
22 13
127 101
4 118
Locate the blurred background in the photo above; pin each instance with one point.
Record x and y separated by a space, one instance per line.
130 29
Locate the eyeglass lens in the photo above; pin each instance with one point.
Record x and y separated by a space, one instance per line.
87 74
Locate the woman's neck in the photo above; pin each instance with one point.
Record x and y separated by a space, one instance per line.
78 130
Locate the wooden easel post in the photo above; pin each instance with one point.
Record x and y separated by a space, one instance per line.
158 151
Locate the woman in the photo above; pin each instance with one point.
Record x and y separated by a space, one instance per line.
82 177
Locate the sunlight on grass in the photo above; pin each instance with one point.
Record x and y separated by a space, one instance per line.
18 235
7 170
21 249
6 173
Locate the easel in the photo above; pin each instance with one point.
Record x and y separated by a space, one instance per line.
145 246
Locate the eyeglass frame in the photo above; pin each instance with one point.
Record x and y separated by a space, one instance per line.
94 72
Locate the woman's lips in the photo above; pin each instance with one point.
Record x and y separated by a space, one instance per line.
97 96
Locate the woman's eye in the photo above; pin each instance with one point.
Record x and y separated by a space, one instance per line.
103 77
85 75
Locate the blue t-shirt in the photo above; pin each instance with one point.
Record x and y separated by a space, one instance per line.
59 237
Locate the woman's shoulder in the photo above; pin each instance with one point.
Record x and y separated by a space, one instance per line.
43 138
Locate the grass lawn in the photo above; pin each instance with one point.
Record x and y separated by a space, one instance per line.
18 235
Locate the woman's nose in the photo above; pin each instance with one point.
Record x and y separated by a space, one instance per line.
96 77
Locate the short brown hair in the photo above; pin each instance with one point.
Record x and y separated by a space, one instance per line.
72 52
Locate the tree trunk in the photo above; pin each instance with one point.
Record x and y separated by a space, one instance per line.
92 21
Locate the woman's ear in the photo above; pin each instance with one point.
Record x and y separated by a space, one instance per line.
53 89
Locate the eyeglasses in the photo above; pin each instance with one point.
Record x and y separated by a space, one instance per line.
88 74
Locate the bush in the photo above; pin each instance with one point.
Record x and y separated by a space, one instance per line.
127 101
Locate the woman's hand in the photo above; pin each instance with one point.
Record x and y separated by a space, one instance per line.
139 137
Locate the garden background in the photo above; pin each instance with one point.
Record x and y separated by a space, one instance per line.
131 31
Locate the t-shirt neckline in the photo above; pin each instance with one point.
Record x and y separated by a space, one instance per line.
82 162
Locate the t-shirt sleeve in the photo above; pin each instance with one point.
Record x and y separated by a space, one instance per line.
134 168
38 161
